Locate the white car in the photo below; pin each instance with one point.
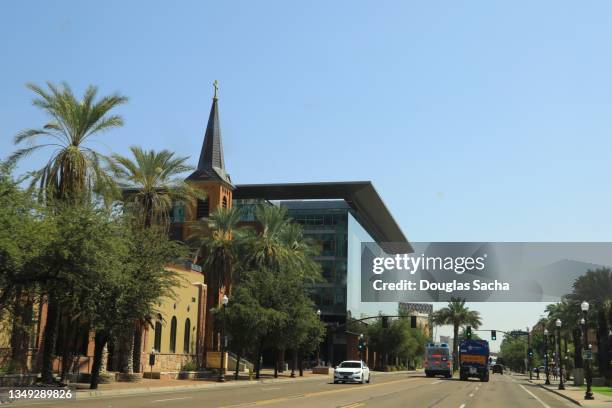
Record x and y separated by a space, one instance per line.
352 371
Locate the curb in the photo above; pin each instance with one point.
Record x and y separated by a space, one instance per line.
89 394
567 397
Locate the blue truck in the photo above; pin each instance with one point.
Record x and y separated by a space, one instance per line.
474 359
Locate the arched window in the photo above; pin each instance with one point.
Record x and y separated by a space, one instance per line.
158 334
173 335
224 202
186 348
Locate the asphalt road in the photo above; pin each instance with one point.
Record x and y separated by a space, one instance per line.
395 390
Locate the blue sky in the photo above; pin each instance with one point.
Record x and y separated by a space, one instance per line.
475 121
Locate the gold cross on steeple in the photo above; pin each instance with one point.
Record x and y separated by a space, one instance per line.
216 86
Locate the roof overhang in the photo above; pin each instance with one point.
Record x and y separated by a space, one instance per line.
368 208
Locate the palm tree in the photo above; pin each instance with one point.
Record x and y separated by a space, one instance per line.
268 247
153 180
457 314
218 239
74 170
151 184
596 288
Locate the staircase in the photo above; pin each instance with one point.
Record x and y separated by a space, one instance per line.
245 365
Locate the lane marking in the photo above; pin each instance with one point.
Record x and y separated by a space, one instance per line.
271 388
171 399
319 393
355 405
471 395
534 396
462 406
436 382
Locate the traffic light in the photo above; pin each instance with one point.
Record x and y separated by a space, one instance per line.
493 335
468 332
530 352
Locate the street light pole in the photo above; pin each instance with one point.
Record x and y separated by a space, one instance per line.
588 395
221 378
319 342
529 361
559 357
547 382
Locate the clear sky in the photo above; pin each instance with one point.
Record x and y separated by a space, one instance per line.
476 120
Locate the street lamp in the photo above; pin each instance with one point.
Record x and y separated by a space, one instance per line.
547 382
224 302
319 342
584 306
559 358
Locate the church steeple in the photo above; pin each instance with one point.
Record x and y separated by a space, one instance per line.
211 165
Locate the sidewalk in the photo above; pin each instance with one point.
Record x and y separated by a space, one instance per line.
575 394
148 386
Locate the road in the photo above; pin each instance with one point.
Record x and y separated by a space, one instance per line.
389 390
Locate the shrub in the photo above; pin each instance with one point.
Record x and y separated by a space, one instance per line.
190 366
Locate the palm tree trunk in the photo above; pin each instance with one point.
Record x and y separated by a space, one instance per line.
576 333
98 362
455 346
603 343
50 337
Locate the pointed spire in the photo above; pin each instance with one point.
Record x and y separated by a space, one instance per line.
212 164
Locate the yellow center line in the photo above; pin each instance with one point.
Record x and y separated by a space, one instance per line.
315 394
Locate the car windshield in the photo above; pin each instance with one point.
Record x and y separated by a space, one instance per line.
350 364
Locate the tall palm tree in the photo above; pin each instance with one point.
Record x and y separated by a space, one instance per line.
457 315
154 181
218 239
74 168
268 246
74 171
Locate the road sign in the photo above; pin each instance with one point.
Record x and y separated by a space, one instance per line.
518 333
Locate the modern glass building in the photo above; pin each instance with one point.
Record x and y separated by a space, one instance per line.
338 218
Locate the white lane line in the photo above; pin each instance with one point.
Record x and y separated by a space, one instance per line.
171 399
462 406
271 388
534 396
436 382
471 395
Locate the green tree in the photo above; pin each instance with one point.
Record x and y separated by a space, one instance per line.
513 351
133 293
23 235
74 172
457 315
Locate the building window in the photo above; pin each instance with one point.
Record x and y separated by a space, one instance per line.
224 202
173 335
186 348
203 209
158 334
